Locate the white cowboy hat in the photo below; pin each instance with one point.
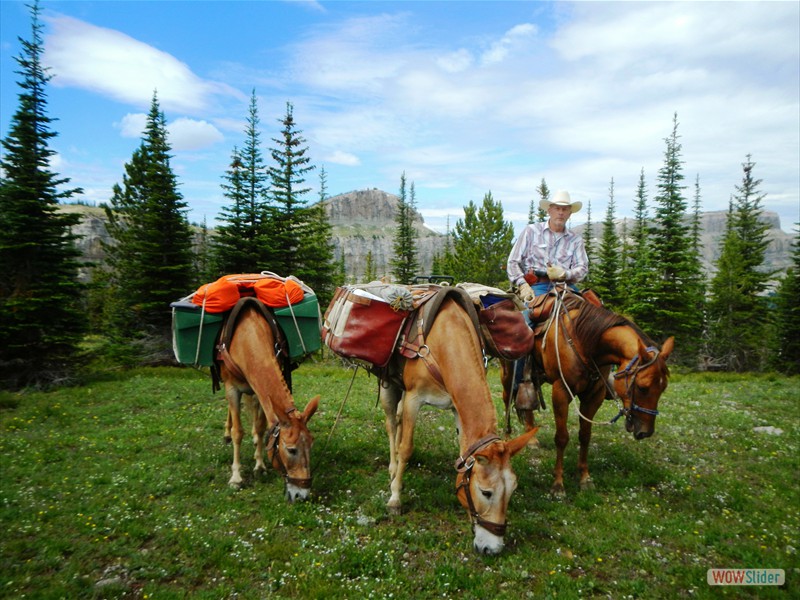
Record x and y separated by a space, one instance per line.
561 198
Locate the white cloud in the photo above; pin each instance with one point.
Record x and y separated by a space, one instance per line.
132 125
113 64
189 134
183 134
347 159
500 49
456 62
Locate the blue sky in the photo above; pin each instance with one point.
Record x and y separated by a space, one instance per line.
464 97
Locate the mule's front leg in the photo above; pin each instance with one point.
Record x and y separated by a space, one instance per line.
589 410
560 403
259 429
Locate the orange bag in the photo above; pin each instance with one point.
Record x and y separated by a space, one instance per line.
276 293
219 296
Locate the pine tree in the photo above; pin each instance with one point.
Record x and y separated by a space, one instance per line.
238 246
588 242
370 272
737 308
405 264
150 257
678 301
298 235
641 276
606 271
43 319
786 345
482 242
540 214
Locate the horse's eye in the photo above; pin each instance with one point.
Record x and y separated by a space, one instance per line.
642 389
487 494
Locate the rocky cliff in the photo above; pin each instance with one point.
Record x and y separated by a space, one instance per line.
712 224
363 221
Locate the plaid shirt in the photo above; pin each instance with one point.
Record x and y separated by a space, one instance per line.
537 246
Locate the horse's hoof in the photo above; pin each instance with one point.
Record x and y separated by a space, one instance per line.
228 439
587 484
557 492
534 443
394 509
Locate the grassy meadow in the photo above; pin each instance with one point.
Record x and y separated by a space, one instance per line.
118 489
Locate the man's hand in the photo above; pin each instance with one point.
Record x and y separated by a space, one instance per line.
525 292
556 273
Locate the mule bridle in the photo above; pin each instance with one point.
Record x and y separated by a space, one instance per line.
630 372
273 444
464 465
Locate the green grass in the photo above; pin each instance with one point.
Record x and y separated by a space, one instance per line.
118 489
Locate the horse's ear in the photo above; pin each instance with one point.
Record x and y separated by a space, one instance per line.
667 347
311 408
519 442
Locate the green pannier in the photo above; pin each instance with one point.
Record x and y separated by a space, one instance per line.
195 332
300 324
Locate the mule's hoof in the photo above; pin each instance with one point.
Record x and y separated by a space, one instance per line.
557 492
587 484
534 443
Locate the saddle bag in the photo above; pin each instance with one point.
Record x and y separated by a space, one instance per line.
505 331
503 326
361 325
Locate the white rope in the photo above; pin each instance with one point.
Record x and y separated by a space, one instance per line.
296 326
573 398
200 331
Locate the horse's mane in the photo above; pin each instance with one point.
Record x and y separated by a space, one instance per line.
592 321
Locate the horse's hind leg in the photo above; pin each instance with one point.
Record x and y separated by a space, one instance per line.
390 397
234 414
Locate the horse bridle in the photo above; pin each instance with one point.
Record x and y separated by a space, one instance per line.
273 444
464 465
630 372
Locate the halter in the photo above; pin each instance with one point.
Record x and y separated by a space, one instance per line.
272 444
630 372
464 465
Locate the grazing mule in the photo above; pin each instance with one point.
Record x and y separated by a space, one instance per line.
574 351
250 365
447 370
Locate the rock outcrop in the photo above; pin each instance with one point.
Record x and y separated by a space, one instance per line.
363 221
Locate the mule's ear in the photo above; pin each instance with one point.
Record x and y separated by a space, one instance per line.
519 442
311 408
668 347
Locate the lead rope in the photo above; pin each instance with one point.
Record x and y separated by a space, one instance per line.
341 407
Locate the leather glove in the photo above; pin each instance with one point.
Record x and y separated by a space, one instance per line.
556 273
525 292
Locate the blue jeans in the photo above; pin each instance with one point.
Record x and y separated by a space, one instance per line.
538 289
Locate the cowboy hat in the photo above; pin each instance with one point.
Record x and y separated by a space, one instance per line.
561 198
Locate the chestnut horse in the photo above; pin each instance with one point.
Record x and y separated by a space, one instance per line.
447 370
249 365
575 350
